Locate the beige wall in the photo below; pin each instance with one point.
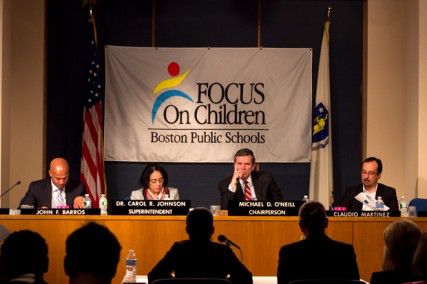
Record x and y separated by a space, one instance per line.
395 104
422 115
22 96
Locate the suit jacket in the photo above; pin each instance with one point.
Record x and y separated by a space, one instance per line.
387 193
265 187
173 194
39 193
317 257
200 260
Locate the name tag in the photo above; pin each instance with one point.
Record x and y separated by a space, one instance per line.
150 207
55 212
363 213
264 208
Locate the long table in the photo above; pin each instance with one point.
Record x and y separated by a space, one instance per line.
260 238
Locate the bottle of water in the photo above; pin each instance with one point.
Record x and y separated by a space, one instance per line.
103 204
87 203
305 198
379 204
130 276
403 206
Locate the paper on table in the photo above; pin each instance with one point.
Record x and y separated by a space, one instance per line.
365 199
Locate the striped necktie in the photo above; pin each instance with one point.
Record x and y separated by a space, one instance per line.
60 199
248 193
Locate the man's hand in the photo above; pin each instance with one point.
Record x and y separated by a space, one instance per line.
78 202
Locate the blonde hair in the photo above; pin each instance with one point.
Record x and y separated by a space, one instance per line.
400 241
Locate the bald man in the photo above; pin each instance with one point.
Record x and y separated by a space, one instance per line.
57 191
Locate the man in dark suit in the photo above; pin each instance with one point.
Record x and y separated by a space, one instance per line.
247 184
199 257
316 256
371 172
55 192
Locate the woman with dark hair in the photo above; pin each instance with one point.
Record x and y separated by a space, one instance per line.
154 185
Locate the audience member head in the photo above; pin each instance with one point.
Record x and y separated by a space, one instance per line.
153 174
400 241
59 172
23 252
92 252
312 218
420 257
200 224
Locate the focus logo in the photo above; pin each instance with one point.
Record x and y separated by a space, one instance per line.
176 80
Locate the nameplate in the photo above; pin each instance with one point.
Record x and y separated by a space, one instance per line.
150 207
7 211
363 213
264 208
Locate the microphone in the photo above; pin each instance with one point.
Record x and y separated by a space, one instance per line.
10 188
224 239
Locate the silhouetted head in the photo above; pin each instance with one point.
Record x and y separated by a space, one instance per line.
23 252
200 224
400 241
312 218
92 249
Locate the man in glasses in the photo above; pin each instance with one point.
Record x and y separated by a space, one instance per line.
371 172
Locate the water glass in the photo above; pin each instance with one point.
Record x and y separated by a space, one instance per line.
412 211
215 210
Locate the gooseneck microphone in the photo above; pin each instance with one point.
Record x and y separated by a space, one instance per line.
228 243
10 188
224 239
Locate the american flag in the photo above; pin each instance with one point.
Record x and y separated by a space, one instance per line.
92 161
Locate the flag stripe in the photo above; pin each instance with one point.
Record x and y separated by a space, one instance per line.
92 161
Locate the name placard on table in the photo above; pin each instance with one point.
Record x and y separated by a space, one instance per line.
363 213
264 208
149 207
51 211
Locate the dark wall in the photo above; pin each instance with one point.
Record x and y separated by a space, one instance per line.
207 23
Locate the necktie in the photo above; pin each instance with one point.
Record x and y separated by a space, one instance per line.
248 193
60 198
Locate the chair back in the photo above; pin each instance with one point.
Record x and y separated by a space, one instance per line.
420 203
327 281
191 281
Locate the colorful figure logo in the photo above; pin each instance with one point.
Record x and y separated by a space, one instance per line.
320 127
173 70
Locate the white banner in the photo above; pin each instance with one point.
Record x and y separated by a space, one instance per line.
202 105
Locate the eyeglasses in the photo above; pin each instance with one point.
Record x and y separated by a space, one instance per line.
160 180
368 173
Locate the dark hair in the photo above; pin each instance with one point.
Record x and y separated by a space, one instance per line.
199 224
374 159
144 180
245 152
313 217
92 249
419 260
24 252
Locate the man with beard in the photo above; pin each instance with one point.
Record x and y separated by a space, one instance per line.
371 172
